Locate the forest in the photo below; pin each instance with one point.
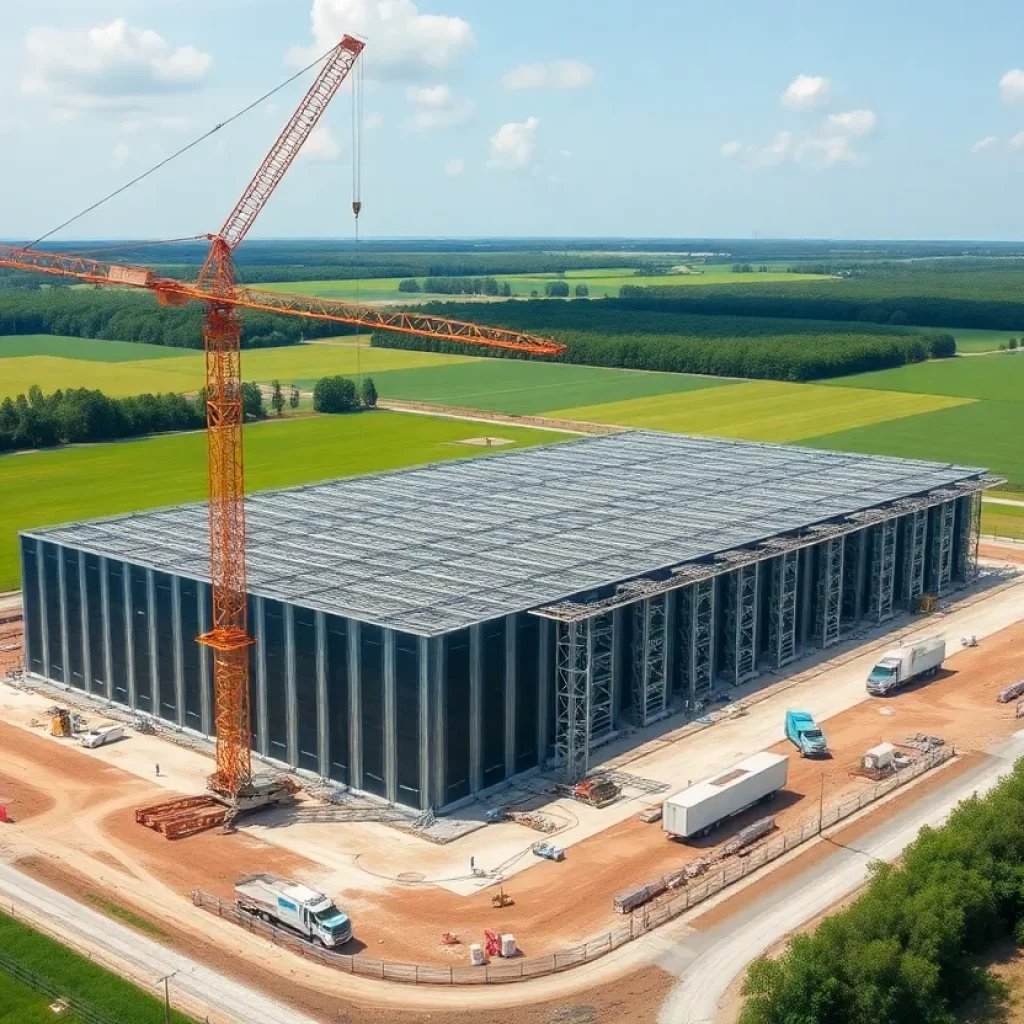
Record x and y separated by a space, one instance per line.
907 951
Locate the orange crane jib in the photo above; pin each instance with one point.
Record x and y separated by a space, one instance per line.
229 637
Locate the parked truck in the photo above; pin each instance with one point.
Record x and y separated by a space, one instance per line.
802 731
294 906
699 808
899 666
102 734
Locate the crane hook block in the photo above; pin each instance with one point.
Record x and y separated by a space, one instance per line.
357 205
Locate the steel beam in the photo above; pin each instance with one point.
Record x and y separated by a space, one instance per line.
650 660
883 571
915 546
782 622
829 599
572 699
602 633
740 623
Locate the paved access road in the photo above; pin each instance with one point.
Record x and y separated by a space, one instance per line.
94 930
708 962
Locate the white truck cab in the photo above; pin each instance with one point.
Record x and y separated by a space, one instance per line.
296 906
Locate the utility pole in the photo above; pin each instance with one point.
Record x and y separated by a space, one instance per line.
166 979
821 802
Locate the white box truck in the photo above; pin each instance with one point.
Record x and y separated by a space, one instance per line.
699 808
295 906
897 667
102 734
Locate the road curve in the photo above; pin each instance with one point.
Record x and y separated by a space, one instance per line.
192 979
708 962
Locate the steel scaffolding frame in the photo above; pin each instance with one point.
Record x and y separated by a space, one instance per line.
573 674
695 626
650 690
943 521
829 598
782 614
975 536
602 659
915 538
740 653
883 570
851 576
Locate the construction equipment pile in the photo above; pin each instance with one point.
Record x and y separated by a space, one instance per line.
923 742
1011 692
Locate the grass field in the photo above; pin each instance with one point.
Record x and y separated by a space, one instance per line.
20 1005
762 410
100 989
86 363
44 488
998 377
1002 521
969 339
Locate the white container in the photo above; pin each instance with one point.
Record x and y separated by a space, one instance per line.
476 955
699 808
102 734
879 758
508 945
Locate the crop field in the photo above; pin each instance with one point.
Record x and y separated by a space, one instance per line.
971 339
762 410
20 1005
54 363
63 485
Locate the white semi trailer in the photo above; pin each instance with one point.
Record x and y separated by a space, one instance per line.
699 808
295 906
899 666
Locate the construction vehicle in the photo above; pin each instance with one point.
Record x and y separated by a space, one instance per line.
899 666
294 906
101 735
501 898
60 722
232 785
699 808
549 851
596 792
804 734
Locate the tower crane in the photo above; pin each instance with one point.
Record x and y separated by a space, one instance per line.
216 286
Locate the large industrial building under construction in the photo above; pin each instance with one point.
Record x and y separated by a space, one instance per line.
423 635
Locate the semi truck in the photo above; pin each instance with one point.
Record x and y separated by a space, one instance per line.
802 731
699 808
294 906
899 666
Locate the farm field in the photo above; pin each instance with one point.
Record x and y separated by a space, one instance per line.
20 1005
972 339
88 481
762 410
103 365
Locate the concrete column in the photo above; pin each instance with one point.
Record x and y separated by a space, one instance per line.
439 708
806 582
154 673
44 625
108 663
262 720
290 693
178 649
129 631
355 707
510 694
63 590
205 682
544 700
426 758
476 770
323 722
83 606
390 719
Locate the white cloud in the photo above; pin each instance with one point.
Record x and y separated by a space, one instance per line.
321 145
806 92
985 143
403 41
114 66
1017 140
855 122
455 167
438 107
1011 86
119 156
513 144
558 74
770 156
731 149
826 150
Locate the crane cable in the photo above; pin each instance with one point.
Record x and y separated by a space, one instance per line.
184 149
357 186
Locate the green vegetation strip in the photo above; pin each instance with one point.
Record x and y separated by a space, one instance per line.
906 950
68 484
124 915
76 976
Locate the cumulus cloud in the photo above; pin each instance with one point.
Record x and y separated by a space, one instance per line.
405 43
321 145
513 145
558 74
806 92
438 107
113 66
731 149
1017 140
832 143
780 148
1011 86
855 122
455 167
985 143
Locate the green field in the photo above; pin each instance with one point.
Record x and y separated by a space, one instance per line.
85 363
969 339
67 484
1002 520
20 1005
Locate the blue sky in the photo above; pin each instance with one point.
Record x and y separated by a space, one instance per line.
562 117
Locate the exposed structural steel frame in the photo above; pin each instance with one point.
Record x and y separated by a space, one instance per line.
915 541
602 663
650 660
941 568
883 570
785 574
572 698
739 656
829 598
695 625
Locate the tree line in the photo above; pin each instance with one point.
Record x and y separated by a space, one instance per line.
905 952
456 286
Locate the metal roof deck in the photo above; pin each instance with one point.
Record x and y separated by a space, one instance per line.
439 547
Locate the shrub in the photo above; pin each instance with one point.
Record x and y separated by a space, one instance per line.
557 289
409 284
335 394
368 393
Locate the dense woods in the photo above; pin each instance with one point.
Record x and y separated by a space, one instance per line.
903 953
608 333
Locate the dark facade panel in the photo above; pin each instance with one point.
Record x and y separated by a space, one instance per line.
277 701
73 592
527 690
337 699
304 631
118 634
457 715
255 628
493 702
97 633
54 645
407 709
191 655
163 595
141 662
30 601
371 668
